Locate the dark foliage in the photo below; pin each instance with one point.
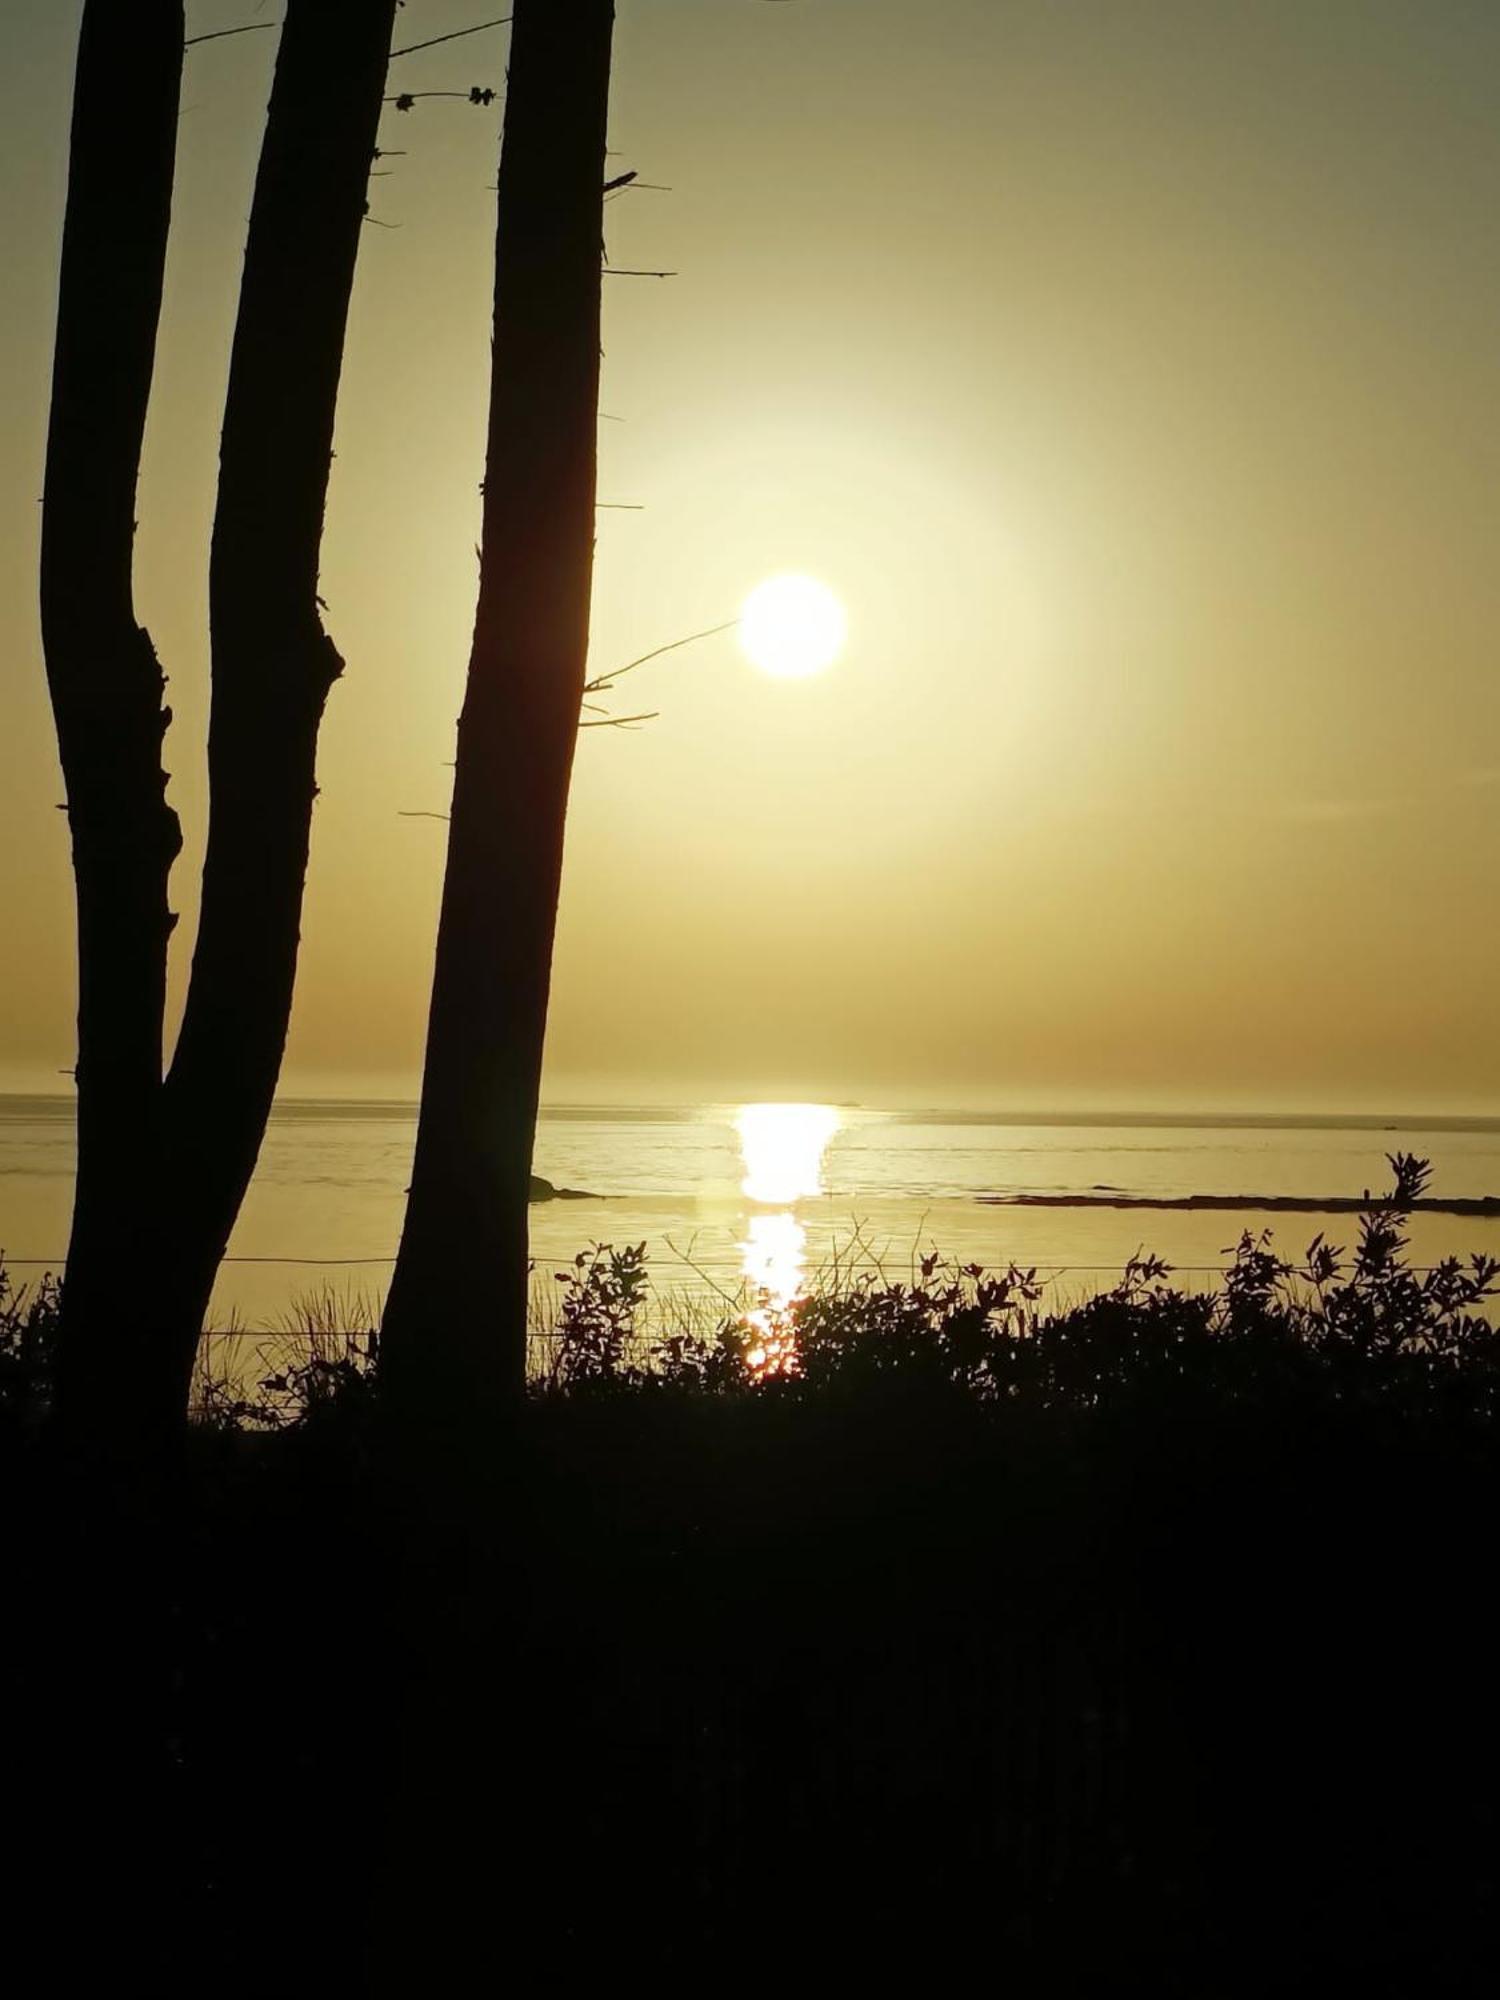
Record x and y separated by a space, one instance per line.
1145 1643
1360 1327
28 1352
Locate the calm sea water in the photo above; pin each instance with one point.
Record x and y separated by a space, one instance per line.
728 1196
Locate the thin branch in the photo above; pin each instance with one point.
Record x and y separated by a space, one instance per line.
614 271
422 815
478 94
622 721
219 34
628 184
457 35
620 506
607 679
687 1257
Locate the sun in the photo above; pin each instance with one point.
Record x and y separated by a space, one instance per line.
791 626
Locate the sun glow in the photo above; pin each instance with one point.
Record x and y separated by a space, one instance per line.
782 1146
792 626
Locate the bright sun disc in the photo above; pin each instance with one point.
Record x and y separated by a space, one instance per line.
791 626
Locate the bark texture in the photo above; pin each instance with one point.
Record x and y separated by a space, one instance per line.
454 1345
105 683
273 663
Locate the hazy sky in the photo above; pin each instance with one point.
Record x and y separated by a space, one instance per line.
1130 368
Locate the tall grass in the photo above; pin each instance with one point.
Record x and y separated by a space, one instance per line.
1343 1324
28 1347
321 1354
1355 1323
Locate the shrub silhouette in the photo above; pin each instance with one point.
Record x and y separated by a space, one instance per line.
28 1349
1155 1628
1341 1326
1361 1326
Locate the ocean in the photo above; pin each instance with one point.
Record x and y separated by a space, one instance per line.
731 1199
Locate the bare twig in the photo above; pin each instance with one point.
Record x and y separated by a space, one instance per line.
457 35
607 679
687 1257
628 184
621 721
218 35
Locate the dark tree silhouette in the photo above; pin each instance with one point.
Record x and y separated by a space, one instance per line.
454 1344
163 1167
273 663
103 675
105 1580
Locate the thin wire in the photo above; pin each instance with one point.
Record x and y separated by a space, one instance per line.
1053 1270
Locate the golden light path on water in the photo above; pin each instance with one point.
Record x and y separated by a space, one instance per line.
782 1146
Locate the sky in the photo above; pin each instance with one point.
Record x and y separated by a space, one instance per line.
1130 369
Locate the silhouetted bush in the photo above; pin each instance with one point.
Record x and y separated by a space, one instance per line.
1140 1643
1344 1327
28 1350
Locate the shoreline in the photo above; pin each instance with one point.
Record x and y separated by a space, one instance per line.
1271 1204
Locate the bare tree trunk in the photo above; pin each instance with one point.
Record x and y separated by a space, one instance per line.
104 1595
273 663
455 1329
105 683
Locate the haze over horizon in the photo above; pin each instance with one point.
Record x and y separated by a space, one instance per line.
1129 373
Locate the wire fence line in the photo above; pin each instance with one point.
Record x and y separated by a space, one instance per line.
339 1263
360 1312
315 1263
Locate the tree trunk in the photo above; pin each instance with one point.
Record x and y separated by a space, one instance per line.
273 663
104 1595
454 1344
105 683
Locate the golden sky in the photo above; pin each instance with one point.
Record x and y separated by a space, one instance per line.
1129 368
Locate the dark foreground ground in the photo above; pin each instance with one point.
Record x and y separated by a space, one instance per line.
1166 1662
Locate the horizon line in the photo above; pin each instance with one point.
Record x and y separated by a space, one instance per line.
1088 1116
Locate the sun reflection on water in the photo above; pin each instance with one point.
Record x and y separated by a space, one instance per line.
782 1146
